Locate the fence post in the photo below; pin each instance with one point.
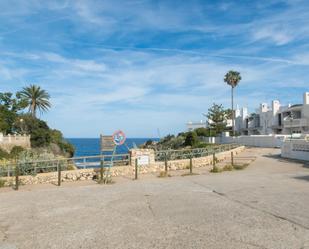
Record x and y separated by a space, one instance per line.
136 169
165 162
101 173
59 173
129 158
214 159
17 177
232 158
191 164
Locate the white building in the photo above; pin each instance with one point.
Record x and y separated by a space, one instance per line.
277 119
205 124
192 126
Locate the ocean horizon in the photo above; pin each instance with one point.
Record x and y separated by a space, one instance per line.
91 146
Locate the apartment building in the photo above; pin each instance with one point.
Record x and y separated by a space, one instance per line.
274 119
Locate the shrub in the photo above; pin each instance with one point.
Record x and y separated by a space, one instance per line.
227 167
215 169
164 174
202 132
2 183
191 139
4 154
240 166
16 150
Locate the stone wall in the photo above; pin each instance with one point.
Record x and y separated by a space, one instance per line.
129 171
9 141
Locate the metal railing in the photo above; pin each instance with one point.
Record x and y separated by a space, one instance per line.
53 165
43 166
192 153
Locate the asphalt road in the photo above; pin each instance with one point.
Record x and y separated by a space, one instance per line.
263 206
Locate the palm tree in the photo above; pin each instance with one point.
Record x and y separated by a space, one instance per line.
36 98
232 78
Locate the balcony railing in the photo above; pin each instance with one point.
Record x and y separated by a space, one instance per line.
290 123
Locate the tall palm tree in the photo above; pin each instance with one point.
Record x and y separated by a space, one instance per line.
37 99
232 78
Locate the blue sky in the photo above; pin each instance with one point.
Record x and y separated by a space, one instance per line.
142 65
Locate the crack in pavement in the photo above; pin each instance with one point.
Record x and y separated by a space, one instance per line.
149 205
253 207
261 210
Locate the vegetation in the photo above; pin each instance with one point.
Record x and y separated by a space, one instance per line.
232 78
13 120
218 116
2 183
194 139
36 99
229 167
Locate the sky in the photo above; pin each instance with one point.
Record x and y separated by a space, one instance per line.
149 67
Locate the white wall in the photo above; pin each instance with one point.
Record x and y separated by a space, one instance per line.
267 141
296 149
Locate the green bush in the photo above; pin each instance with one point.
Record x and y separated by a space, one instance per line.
202 132
4 154
191 139
2 183
215 169
16 150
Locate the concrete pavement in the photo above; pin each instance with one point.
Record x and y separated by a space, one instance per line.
264 206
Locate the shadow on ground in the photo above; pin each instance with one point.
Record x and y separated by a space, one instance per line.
304 178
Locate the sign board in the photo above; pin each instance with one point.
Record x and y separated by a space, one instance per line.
107 143
142 160
119 137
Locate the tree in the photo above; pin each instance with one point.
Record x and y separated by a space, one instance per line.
217 118
232 78
37 99
10 106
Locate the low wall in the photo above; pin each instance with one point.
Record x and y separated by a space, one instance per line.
271 141
9 141
296 149
88 174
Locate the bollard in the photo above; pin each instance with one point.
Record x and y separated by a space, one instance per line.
59 173
17 177
190 164
165 163
232 158
136 169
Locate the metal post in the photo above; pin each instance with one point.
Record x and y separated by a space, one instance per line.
232 158
136 169
165 162
59 173
191 164
17 177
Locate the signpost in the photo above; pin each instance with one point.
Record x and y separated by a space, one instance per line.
109 145
119 137
143 160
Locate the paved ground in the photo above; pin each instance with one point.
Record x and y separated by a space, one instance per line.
263 206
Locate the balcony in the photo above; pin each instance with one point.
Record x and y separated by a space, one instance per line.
301 122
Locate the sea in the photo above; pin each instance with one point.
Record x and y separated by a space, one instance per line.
91 146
